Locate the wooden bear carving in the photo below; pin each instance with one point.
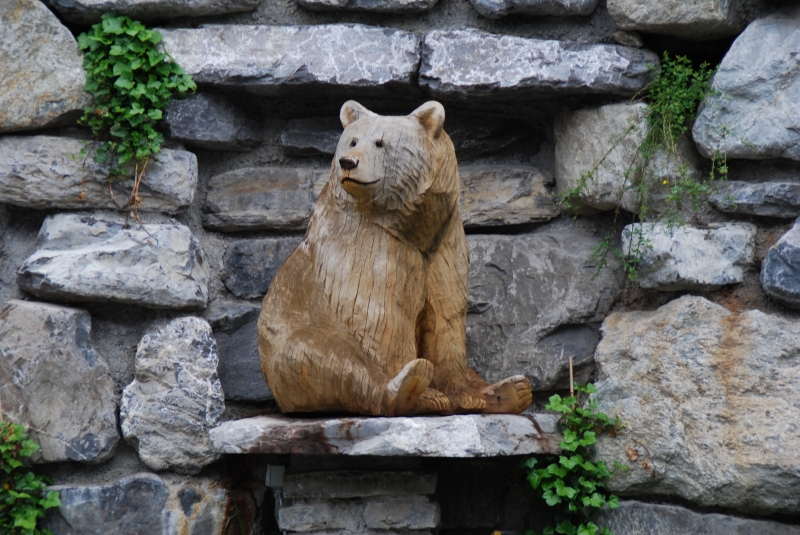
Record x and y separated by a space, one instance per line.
368 314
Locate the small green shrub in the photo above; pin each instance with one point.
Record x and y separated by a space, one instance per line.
132 82
573 484
23 500
673 98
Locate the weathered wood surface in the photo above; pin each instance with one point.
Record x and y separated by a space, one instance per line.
460 436
368 314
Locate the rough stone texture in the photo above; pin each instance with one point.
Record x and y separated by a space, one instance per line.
612 134
212 122
175 398
250 265
41 69
504 195
473 134
354 484
753 114
47 172
770 199
54 382
89 11
445 436
94 258
499 8
376 6
312 136
353 516
634 518
471 64
412 512
780 271
239 366
709 400
141 504
689 19
341 59
522 289
279 198
132 505
687 258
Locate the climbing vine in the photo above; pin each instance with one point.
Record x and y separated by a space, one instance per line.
573 484
132 82
673 98
23 495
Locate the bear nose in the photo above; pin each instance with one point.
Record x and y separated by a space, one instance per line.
348 163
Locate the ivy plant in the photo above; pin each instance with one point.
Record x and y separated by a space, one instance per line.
673 98
572 483
132 81
23 495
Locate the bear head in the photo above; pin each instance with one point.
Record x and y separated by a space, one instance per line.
399 169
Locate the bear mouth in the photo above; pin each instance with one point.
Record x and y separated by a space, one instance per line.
358 182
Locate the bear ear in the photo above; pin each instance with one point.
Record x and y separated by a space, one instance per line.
431 116
352 111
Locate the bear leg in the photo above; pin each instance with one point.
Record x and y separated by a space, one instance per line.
509 396
403 392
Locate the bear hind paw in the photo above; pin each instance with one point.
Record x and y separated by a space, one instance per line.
509 396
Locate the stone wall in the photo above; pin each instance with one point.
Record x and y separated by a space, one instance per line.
123 345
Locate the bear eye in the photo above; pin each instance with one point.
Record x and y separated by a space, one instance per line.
379 143
354 142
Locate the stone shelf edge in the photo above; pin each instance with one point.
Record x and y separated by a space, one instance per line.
432 436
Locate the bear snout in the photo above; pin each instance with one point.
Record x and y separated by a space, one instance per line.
348 163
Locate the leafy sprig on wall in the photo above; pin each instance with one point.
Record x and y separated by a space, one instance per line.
132 81
23 495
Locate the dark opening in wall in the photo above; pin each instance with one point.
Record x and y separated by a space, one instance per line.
698 52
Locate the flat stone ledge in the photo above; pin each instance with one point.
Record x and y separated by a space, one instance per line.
461 64
90 11
323 60
375 6
464 436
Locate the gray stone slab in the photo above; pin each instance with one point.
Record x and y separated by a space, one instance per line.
353 484
687 258
250 265
375 6
312 136
495 9
41 69
495 195
239 369
407 513
335 59
132 505
95 258
175 397
48 172
142 504
212 122
525 288
461 64
709 402
780 271
635 518
752 113
689 19
54 383
770 199
277 198
605 141
473 134
447 436
90 11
